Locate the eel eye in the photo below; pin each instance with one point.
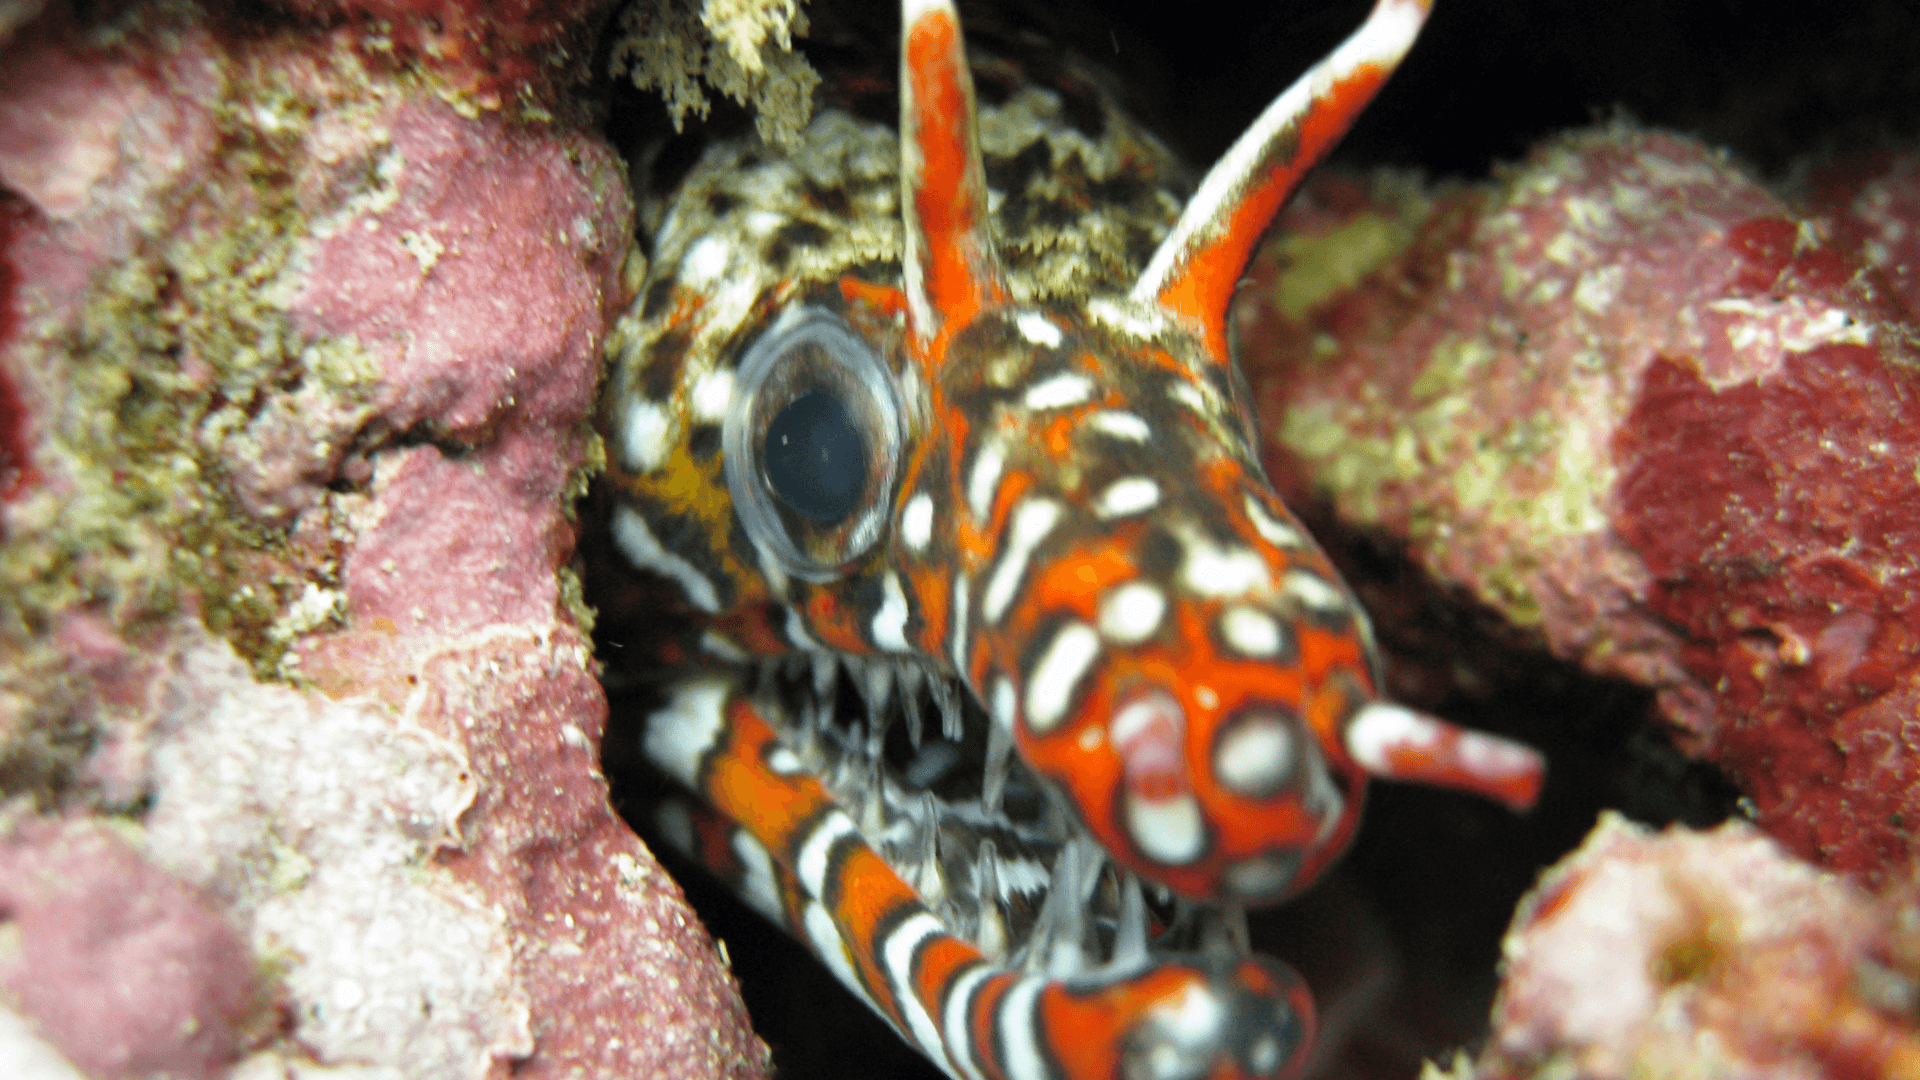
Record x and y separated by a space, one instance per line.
812 443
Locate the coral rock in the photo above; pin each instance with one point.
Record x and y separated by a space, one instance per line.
294 386
1631 402
118 964
1702 954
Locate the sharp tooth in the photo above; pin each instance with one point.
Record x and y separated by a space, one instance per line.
991 937
825 669
932 884
947 699
877 688
1130 934
994 783
912 677
910 699
874 799
1055 946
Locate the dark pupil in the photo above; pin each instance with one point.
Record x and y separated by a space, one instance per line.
816 459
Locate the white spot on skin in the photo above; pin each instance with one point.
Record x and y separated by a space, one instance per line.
647 434
1050 688
1250 632
1032 521
984 480
1194 398
1131 613
897 956
890 622
757 885
1037 329
680 735
1168 831
1255 756
706 261
1059 391
816 854
1121 425
712 393
638 544
916 522
1278 533
1213 570
1314 593
1129 495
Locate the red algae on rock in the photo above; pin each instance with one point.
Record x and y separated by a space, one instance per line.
305 348
1702 954
1631 402
122 966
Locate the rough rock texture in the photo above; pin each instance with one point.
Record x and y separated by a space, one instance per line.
1689 954
1871 203
295 690
1633 404
150 978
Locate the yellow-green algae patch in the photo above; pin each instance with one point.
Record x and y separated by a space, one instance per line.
1530 475
742 49
176 348
1322 264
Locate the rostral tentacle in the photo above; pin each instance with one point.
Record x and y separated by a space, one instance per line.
1001 629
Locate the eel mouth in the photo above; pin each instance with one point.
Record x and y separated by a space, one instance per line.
995 854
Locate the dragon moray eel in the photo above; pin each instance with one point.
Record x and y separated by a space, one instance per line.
1008 680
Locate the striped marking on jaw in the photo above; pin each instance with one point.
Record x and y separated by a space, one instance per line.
679 736
816 852
1019 1037
639 545
897 955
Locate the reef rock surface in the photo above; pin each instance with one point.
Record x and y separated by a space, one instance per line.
1640 406
299 334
